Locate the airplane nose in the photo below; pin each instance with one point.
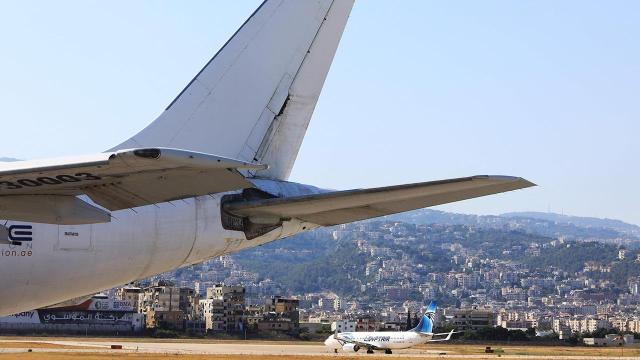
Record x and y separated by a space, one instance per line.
331 342
327 342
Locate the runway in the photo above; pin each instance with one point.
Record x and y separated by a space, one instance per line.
157 348
213 348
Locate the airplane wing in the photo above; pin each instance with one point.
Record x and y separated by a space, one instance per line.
341 207
46 190
441 334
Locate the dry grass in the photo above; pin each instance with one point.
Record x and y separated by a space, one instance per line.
466 349
110 356
547 351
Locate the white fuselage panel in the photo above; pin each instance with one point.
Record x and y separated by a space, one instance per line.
51 263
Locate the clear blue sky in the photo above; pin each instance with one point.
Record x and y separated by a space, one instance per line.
419 90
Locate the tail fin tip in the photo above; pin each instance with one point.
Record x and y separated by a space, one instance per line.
431 309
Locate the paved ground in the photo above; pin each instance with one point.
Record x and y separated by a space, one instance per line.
248 349
214 348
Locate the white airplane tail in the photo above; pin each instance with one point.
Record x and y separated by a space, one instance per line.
425 326
253 100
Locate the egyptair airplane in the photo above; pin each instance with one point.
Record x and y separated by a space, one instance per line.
388 341
208 177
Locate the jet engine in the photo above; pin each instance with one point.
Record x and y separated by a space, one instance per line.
350 347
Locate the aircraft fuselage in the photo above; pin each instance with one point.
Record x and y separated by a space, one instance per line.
391 340
46 264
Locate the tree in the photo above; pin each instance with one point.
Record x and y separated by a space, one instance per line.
496 333
416 321
444 328
408 320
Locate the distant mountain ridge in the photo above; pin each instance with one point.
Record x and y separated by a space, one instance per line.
8 159
546 224
342 263
576 220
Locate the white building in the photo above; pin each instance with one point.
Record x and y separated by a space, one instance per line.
343 326
621 254
337 304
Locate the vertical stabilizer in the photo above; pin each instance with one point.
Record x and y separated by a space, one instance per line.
254 99
425 325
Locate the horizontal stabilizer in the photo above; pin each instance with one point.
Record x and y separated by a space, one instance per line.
51 209
115 181
341 207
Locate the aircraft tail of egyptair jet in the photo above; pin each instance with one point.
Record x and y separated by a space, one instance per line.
425 325
253 100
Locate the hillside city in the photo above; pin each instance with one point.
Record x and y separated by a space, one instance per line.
526 274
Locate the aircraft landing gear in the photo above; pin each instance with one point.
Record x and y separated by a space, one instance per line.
369 351
388 352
